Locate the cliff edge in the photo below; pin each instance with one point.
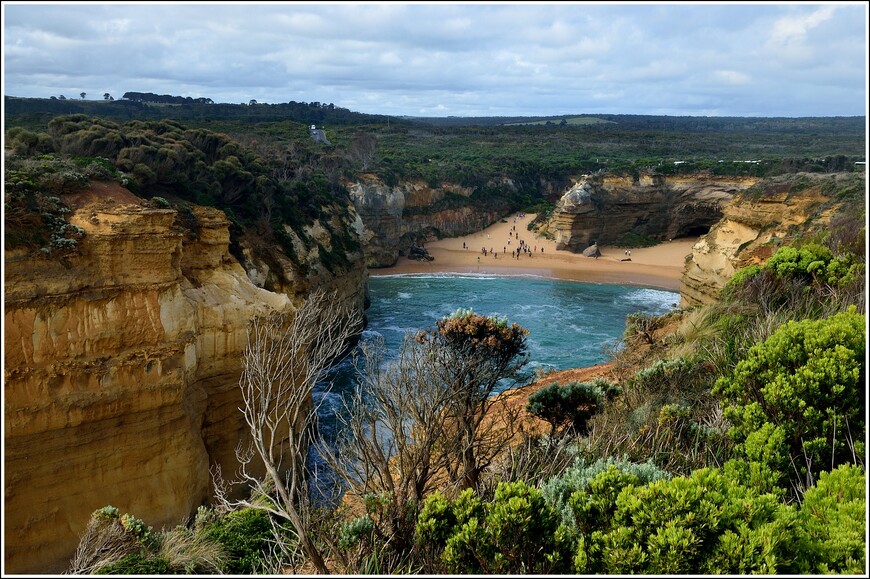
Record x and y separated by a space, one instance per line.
122 365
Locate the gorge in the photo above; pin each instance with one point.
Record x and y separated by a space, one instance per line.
122 359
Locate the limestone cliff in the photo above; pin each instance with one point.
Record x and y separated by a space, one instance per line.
604 209
395 216
122 364
757 221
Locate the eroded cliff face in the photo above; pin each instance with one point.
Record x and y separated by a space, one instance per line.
395 216
121 369
603 209
753 225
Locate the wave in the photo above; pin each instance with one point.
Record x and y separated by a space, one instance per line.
653 297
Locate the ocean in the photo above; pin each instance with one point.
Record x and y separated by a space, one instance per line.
571 324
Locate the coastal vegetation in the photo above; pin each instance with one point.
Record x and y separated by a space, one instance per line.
730 439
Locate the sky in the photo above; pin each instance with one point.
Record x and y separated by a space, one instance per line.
452 59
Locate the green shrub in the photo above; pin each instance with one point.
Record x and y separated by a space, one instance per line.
34 214
570 405
704 523
137 527
515 533
246 536
834 528
807 380
814 263
137 564
790 261
740 278
558 490
355 531
593 506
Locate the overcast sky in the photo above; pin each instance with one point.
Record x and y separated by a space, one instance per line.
440 59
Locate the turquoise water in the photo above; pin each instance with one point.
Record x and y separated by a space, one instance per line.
570 324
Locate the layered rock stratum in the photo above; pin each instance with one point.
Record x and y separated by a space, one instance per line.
758 221
412 211
122 365
603 209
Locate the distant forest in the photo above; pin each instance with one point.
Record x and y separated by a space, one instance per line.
484 152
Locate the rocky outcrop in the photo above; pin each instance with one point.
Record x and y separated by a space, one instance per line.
754 224
396 216
606 209
592 251
122 365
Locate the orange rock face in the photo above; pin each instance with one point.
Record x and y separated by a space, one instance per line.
121 374
753 225
603 208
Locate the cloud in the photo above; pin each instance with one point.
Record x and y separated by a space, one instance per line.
793 29
468 59
731 77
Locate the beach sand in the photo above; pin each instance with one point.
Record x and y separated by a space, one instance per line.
660 266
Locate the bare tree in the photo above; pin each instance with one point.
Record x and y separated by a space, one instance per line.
286 356
388 441
363 149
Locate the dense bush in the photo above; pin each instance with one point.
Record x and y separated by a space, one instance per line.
807 281
813 262
704 523
34 214
247 537
807 382
559 489
136 564
633 519
570 405
516 533
834 523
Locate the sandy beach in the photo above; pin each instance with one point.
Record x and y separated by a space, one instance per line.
660 266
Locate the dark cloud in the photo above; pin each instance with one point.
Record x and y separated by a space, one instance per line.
453 59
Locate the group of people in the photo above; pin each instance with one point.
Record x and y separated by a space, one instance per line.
524 248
